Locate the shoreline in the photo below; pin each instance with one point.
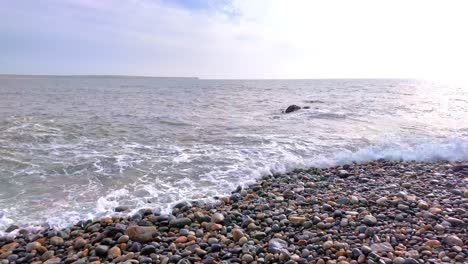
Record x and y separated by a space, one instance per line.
390 211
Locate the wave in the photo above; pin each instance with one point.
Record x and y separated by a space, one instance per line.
248 165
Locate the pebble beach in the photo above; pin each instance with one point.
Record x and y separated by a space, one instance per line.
375 212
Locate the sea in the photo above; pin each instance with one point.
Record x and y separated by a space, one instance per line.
76 147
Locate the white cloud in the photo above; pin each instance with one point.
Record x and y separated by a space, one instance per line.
266 39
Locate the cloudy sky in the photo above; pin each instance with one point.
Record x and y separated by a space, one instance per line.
236 39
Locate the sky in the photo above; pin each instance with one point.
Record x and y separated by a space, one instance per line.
236 39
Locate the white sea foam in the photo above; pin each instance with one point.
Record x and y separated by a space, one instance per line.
89 152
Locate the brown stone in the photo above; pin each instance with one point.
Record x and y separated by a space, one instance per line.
432 243
181 239
297 219
435 210
141 233
237 234
106 221
79 242
216 227
114 252
423 205
9 247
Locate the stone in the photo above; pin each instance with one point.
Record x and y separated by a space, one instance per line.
55 260
406 185
458 168
343 174
382 247
180 222
237 234
259 235
423 205
369 220
455 221
114 252
432 243
381 201
327 245
56 241
435 210
247 258
123 239
79 243
356 253
181 239
33 246
47 255
292 108
11 228
297 219
276 245
403 207
121 208
9 246
141 233
243 240
101 250
453 241
148 249
181 205
217 218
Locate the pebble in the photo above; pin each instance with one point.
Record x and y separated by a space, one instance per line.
57 241
101 250
382 247
141 233
305 216
453 241
237 234
217 218
369 220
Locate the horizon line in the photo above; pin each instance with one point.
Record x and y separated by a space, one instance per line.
198 78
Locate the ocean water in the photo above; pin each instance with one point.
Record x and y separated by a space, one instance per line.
73 148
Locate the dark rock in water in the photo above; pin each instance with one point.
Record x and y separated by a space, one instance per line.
306 107
459 168
121 208
11 228
238 189
182 205
235 197
292 108
313 101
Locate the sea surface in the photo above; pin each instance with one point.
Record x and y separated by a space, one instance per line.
74 148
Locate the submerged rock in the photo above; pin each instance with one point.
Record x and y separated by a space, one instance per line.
292 108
